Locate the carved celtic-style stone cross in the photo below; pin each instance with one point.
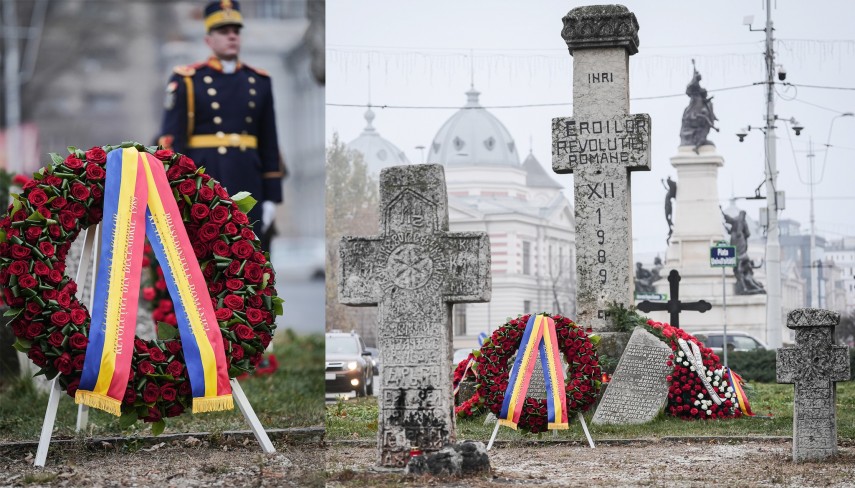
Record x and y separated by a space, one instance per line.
814 365
413 271
599 144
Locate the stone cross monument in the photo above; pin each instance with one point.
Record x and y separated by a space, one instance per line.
814 365
413 271
600 144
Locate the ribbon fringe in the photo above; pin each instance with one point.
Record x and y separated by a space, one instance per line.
213 404
508 423
558 426
101 402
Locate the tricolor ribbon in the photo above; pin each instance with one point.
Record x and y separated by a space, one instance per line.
736 382
539 337
137 196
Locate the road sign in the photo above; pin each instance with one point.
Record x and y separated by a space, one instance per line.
653 297
722 256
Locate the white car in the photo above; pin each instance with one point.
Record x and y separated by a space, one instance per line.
736 340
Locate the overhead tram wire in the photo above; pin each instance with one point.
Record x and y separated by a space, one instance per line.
526 105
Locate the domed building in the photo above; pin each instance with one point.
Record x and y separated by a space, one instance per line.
523 210
377 151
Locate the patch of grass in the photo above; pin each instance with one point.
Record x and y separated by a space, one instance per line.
293 396
357 419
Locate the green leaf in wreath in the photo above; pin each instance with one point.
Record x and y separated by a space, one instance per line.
13 312
166 331
595 339
56 158
16 203
22 345
165 377
128 419
277 305
72 150
244 201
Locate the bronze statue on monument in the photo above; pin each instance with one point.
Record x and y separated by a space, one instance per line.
737 227
698 117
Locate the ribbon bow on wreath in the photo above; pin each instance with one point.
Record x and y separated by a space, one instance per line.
138 202
539 337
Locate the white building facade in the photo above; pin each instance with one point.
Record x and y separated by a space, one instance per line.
521 208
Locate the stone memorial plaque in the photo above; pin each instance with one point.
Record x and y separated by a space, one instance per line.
814 365
413 272
638 389
599 145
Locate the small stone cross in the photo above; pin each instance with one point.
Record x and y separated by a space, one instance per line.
674 306
599 144
413 271
814 365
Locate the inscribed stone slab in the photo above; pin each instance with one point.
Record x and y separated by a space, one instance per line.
638 389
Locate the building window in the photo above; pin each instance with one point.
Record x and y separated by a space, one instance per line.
526 258
459 319
526 306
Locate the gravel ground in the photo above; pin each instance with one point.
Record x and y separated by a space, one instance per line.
662 463
185 463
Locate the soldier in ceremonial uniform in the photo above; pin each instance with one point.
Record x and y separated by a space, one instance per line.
219 112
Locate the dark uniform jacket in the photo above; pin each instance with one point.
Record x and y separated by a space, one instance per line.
225 122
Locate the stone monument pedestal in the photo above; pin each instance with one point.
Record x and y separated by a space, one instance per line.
698 225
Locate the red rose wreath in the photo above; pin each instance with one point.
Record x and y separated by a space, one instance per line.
582 379
472 405
52 326
688 398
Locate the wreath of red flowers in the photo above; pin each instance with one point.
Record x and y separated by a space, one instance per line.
687 397
154 290
52 326
470 406
582 383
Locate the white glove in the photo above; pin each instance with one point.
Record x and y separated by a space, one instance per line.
268 212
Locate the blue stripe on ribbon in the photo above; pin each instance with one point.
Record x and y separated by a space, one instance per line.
515 372
97 329
192 355
547 375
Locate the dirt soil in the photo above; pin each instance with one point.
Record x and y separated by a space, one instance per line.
654 463
185 463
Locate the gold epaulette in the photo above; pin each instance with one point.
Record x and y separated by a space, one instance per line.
258 71
184 70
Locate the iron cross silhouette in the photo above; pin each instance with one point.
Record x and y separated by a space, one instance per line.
674 306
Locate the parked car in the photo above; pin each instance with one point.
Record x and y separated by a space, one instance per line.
375 358
736 340
348 364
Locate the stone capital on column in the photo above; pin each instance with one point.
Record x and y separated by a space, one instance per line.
600 26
